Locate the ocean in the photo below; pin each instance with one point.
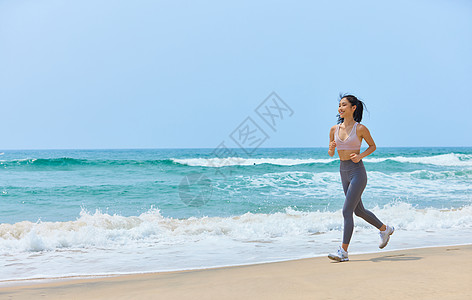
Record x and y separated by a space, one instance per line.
101 212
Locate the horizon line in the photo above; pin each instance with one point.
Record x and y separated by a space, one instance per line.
199 148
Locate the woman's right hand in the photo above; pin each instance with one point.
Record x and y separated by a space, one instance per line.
332 146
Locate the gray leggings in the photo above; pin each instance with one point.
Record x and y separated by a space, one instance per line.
354 179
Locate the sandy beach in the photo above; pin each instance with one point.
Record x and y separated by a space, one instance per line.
426 273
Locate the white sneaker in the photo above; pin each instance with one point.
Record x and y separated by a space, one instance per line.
341 255
385 236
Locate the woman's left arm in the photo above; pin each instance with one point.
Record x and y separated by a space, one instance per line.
365 134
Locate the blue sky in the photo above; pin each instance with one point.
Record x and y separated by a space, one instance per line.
185 74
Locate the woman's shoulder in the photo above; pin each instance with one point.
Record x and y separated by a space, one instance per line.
362 127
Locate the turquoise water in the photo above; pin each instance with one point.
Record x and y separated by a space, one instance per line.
85 204
56 185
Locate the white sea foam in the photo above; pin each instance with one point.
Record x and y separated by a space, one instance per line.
450 159
238 161
99 243
113 231
18 160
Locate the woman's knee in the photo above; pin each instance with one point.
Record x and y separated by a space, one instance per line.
347 212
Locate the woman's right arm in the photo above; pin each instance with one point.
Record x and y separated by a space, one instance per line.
332 143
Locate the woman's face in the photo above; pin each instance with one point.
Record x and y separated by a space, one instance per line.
345 108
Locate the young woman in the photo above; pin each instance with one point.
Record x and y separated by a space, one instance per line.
347 136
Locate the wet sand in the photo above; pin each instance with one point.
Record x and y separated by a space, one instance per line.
426 273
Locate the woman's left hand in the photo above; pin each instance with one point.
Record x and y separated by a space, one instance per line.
355 157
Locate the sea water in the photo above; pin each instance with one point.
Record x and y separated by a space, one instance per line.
98 212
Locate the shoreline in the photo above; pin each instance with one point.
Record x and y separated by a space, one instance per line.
444 271
45 280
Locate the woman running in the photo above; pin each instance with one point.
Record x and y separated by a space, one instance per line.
347 135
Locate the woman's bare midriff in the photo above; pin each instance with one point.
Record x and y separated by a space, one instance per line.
346 154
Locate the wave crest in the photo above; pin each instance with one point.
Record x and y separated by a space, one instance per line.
113 231
450 159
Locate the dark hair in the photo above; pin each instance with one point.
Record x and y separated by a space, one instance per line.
354 101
